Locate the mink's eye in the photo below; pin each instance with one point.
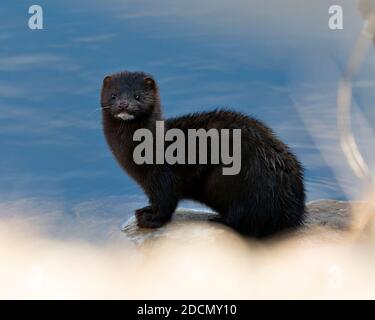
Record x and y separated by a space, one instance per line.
113 96
137 97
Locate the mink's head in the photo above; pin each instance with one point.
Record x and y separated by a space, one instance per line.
130 95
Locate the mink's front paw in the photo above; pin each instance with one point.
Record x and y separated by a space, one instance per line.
147 219
217 219
142 210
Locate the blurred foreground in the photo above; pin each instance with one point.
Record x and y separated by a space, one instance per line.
194 260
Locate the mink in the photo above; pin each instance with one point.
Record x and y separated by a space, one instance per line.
266 197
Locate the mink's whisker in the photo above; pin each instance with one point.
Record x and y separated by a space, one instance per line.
91 113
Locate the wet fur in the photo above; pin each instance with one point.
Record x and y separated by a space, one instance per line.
266 197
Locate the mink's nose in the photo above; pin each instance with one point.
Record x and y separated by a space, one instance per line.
122 107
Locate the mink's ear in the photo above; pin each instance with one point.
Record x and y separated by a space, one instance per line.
107 81
149 83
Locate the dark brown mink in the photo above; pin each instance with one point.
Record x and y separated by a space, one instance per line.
267 195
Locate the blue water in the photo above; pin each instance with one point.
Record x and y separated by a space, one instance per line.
253 56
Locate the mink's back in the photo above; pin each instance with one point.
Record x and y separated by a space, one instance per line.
254 134
218 119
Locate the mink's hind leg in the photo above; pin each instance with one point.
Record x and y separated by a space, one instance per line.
247 220
262 219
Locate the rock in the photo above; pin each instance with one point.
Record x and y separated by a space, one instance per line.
330 213
180 217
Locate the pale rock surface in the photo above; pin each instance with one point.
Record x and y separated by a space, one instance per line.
327 213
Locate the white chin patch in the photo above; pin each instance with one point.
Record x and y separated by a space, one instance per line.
125 116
